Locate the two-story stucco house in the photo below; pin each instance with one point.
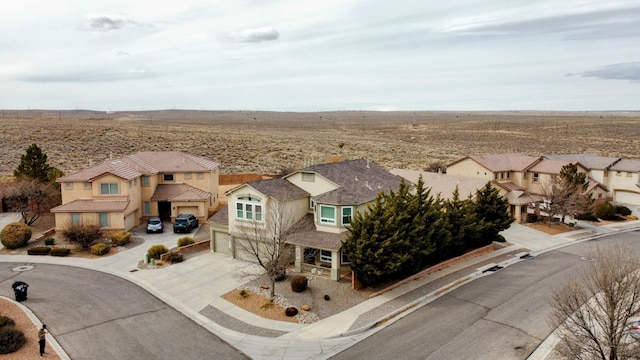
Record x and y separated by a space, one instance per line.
119 194
320 201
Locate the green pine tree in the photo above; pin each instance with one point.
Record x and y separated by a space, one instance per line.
491 211
33 165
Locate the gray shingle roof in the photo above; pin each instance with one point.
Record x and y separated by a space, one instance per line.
360 181
629 165
279 189
503 162
220 217
591 161
304 233
444 184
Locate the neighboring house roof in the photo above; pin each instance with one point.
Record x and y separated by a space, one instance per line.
502 162
143 163
358 181
179 192
443 184
279 189
549 166
519 197
629 165
590 161
304 233
91 205
593 184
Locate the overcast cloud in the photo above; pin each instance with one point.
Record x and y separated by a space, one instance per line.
320 55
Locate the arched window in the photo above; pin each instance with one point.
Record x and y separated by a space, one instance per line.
249 208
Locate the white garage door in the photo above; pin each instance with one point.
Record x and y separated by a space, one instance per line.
627 197
188 210
221 242
130 221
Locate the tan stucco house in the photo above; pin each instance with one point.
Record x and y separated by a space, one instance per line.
320 201
119 194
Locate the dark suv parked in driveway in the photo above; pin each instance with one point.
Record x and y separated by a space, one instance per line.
185 223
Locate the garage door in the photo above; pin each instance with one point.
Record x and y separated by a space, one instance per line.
221 242
188 210
627 197
130 221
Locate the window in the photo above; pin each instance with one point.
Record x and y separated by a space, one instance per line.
167 177
187 176
200 175
310 177
249 208
325 256
618 173
87 186
535 177
347 213
145 181
508 175
495 176
68 186
629 174
109 189
103 218
312 204
130 184
76 219
344 259
147 207
327 214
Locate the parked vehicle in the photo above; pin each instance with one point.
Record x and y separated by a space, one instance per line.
634 327
185 223
155 224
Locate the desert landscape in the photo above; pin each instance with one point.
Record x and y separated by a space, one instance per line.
273 142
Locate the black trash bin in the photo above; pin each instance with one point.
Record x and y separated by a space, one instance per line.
20 290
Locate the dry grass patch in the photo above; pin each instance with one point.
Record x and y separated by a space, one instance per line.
258 304
554 228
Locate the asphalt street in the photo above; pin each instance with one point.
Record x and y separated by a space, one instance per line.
94 315
502 315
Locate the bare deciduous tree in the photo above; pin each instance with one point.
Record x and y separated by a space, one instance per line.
31 198
264 240
591 312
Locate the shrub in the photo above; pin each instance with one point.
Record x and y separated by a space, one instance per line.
622 210
243 294
11 339
299 283
174 257
6 321
606 211
291 311
60 252
49 241
121 238
587 217
184 241
39 250
100 249
83 235
156 251
15 235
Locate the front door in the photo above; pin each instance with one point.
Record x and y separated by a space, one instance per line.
164 210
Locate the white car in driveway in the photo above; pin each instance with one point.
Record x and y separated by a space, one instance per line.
634 327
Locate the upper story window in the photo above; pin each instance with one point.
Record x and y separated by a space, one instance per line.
308 177
87 186
249 208
327 214
145 181
347 214
167 177
187 176
536 176
200 175
68 186
109 189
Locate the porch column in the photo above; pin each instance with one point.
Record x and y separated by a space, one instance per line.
298 260
335 265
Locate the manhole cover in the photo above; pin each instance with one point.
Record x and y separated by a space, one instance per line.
23 268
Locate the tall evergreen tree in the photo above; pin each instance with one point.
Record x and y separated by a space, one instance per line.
492 213
462 222
33 165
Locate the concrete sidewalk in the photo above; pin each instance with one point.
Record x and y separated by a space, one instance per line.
199 282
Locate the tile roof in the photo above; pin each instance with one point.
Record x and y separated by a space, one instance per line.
591 161
629 165
279 189
359 181
143 163
179 192
92 205
548 166
444 184
504 162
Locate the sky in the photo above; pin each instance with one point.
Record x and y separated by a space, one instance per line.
281 55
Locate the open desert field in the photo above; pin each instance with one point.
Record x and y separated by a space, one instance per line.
268 142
